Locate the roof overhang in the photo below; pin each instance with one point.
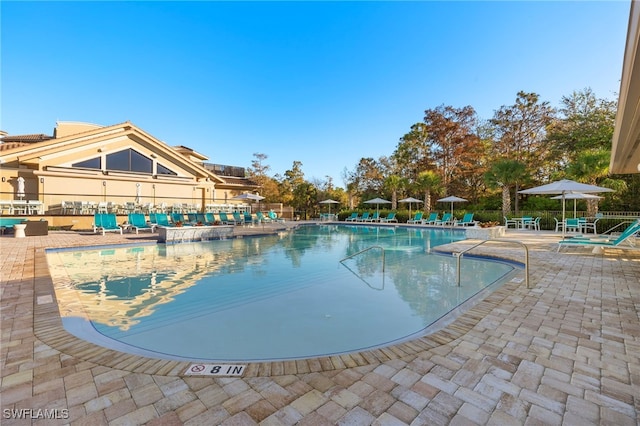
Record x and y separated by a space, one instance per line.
625 149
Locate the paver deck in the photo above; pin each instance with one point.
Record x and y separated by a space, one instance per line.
565 351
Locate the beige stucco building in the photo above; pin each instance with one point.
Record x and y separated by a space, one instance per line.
119 164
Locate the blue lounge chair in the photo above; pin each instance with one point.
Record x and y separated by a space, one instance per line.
594 242
352 218
467 220
417 218
262 217
447 219
138 222
250 219
163 220
226 219
373 218
391 217
179 217
209 218
433 217
106 222
363 218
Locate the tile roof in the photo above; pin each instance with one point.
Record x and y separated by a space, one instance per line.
36 137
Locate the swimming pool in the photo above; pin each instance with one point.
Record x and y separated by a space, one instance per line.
285 296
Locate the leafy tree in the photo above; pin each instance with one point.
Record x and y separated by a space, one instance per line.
503 174
258 173
520 132
413 154
450 134
592 167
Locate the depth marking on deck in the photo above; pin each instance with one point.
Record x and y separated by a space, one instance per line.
215 370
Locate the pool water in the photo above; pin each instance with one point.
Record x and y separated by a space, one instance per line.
273 297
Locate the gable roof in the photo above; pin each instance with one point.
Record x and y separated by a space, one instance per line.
34 152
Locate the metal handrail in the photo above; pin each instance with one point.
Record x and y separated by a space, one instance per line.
459 255
367 249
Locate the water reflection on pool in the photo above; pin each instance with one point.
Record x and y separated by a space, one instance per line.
265 298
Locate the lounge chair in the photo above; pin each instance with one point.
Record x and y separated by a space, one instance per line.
447 219
138 222
238 218
163 220
391 217
602 242
467 220
417 218
262 218
363 218
210 220
431 219
179 217
226 219
106 222
250 219
375 217
352 218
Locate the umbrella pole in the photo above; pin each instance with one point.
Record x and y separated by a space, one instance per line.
564 224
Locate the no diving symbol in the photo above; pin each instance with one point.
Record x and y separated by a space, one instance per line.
216 369
197 368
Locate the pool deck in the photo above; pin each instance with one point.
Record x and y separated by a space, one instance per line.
565 351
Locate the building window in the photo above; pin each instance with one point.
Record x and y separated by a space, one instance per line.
129 160
92 163
162 170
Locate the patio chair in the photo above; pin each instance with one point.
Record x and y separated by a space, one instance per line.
163 220
533 225
433 217
467 220
509 222
262 218
179 217
601 242
363 218
209 218
106 222
138 222
373 218
447 219
391 217
250 219
352 218
226 219
572 225
417 218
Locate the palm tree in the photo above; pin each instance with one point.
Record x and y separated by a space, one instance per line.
592 167
428 181
394 183
504 173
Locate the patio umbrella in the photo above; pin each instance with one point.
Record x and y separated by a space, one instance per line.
249 196
329 201
576 196
410 200
564 187
452 199
377 202
20 189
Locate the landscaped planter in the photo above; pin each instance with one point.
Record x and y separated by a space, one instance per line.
184 234
485 233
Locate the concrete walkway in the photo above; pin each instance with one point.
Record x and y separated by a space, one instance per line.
565 351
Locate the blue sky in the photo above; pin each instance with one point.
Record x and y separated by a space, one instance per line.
323 83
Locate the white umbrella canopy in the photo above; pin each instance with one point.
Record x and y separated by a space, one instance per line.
410 200
248 196
20 189
452 199
377 202
577 196
329 202
564 187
